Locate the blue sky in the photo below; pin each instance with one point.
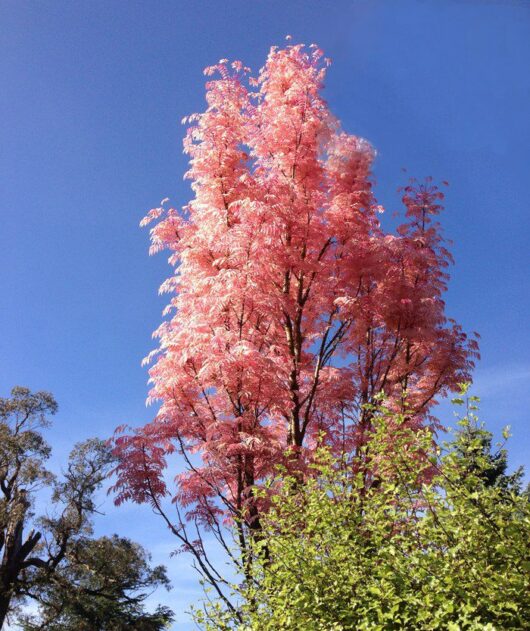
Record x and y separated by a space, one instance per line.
90 108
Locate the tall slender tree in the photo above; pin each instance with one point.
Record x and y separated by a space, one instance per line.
290 308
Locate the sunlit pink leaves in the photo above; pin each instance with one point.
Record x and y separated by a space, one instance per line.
290 307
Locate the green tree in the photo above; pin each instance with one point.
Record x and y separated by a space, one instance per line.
102 585
432 543
475 444
40 554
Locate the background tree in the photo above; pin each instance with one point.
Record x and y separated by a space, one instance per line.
291 308
102 585
40 551
475 445
434 545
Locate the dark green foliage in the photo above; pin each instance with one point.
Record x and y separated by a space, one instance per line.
101 585
475 444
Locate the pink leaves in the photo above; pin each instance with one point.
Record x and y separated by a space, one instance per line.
141 463
290 308
154 213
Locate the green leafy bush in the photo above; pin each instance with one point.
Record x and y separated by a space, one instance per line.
406 535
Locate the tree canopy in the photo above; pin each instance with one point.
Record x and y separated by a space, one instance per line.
290 307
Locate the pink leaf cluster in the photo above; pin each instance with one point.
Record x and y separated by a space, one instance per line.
290 308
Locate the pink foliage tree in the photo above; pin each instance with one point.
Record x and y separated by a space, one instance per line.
290 307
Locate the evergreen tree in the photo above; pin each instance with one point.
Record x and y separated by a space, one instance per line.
102 585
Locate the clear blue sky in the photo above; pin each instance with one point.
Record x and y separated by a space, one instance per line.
90 102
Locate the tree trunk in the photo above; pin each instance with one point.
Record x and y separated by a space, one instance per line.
5 600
